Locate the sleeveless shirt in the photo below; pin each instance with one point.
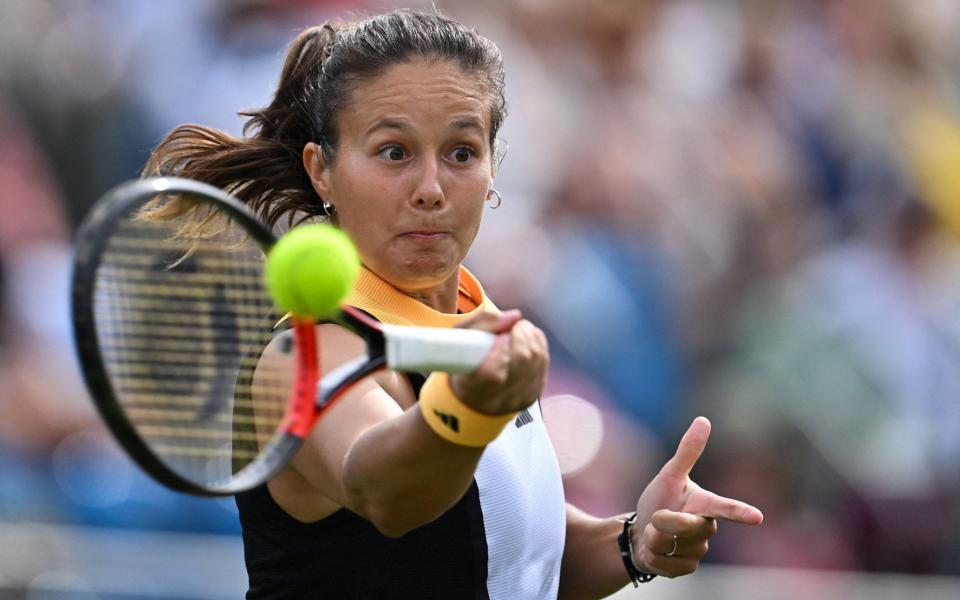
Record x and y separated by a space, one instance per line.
502 540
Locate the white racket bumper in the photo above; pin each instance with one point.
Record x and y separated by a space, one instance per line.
426 349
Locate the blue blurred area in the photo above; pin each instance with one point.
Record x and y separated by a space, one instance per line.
85 481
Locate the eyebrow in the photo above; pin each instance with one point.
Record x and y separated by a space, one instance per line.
386 124
459 124
468 123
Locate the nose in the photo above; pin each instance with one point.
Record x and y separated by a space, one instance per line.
428 192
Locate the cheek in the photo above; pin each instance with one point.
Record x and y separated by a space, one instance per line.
363 204
471 217
471 194
365 228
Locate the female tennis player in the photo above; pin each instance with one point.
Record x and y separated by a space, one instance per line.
388 127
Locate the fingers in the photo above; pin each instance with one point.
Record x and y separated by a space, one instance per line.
709 504
669 555
513 372
674 540
691 447
683 525
667 566
496 364
528 347
493 322
671 546
521 353
673 543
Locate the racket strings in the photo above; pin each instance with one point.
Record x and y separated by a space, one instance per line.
181 323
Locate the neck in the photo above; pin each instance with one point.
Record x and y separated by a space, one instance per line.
441 298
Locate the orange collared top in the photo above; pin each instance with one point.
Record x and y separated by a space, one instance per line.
390 305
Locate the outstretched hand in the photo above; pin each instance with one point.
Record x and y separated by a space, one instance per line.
676 517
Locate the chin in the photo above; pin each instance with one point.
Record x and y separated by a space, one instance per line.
429 270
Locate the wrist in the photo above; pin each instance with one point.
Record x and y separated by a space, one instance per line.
455 421
456 386
626 545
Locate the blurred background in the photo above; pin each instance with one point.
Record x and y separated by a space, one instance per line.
744 209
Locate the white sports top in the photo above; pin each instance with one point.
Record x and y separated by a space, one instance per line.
520 488
524 513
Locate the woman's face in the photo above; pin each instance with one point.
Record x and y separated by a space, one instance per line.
411 172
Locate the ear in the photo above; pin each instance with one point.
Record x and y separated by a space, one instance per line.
497 154
317 169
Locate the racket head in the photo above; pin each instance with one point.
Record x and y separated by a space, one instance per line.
169 329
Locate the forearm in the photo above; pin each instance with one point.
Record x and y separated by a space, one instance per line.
592 566
400 475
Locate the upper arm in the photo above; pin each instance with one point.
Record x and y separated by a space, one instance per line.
319 462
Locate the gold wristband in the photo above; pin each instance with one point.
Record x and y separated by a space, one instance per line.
453 420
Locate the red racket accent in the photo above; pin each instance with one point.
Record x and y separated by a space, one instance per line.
171 327
301 411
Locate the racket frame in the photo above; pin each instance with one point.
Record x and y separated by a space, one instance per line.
92 239
418 349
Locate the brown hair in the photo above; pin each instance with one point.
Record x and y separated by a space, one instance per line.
323 64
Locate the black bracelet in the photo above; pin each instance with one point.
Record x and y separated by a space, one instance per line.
626 553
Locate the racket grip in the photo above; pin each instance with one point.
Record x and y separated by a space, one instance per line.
427 349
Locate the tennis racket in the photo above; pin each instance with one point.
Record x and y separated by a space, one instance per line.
171 315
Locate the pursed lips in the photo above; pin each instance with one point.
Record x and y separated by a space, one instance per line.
425 234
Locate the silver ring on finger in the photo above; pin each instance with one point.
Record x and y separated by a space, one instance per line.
674 550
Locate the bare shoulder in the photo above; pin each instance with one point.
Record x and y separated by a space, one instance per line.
338 345
311 487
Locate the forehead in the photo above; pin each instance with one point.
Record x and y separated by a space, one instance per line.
427 88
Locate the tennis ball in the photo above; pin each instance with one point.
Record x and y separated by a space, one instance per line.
311 269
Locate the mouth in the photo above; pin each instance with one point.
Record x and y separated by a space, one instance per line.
425 235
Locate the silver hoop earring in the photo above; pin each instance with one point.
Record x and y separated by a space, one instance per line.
495 193
328 209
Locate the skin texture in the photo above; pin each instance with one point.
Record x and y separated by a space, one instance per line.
411 172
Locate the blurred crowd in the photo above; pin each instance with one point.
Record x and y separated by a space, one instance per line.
746 209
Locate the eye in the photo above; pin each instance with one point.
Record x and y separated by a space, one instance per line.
392 153
462 154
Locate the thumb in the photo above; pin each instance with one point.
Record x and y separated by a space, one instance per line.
493 322
691 447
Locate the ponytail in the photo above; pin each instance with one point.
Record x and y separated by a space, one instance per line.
264 169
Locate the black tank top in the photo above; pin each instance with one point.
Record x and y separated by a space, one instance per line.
344 557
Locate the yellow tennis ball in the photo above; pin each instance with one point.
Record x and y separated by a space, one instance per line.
311 269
